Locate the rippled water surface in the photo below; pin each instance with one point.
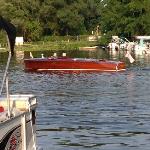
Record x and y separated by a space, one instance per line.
96 111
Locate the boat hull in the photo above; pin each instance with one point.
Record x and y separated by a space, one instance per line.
72 64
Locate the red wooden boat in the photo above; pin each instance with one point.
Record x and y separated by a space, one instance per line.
72 64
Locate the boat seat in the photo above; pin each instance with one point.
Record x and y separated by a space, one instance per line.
20 102
3 116
1 109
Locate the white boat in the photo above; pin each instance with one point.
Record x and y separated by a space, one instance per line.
17 112
142 45
118 43
88 48
18 131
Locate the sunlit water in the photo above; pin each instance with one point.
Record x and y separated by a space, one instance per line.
96 111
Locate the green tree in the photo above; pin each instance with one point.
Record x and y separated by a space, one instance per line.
73 17
25 15
126 17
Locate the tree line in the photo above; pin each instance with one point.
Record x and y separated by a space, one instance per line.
37 18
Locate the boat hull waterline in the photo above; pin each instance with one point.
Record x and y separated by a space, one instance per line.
72 64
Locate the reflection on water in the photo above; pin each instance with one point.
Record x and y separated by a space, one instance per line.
99 111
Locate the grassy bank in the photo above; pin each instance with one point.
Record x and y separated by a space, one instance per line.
54 43
60 45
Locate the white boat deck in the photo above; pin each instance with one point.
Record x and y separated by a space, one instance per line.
20 124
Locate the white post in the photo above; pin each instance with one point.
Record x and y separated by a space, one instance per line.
64 54
55 54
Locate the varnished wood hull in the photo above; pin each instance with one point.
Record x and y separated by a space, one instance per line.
72 64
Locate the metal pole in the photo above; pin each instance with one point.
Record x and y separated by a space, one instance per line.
8 97
5 73
24 133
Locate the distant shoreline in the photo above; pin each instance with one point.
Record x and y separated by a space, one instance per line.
55 46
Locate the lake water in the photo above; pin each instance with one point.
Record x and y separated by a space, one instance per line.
96 111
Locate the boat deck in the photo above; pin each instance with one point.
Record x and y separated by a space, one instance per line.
18 104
